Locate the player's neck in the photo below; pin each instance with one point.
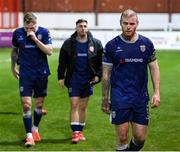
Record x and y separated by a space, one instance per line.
81 39
130 38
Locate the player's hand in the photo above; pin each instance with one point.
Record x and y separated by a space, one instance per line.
155 101
105 106
61 83
15 72
32 35
94 80
44 112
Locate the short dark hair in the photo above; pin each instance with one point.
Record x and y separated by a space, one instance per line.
29 17
80 21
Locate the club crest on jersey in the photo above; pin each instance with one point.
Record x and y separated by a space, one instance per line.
91 49
20 38
142 48
39 36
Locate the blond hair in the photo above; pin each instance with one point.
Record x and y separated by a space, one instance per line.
128 13
29 18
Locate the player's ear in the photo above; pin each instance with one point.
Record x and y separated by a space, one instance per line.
137 22
120 22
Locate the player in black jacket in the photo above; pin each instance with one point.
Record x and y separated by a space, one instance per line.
80 67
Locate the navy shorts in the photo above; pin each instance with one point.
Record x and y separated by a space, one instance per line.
138 113
33 86
80 91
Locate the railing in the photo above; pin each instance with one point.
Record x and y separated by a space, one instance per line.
9 14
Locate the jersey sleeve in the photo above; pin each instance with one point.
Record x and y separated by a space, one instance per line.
107 55
47 37
152 52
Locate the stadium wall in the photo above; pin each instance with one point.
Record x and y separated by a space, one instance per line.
161 40
103 17
62 26
147 21
102 6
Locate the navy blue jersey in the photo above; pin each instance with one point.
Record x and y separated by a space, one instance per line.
33 62
129 73
81 73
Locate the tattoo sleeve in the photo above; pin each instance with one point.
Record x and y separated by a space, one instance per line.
106 81
14 57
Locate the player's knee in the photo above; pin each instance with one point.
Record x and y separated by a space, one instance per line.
26 106
139 139
123 138
74 106
83 109
39 102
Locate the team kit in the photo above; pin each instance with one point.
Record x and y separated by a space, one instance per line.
121 66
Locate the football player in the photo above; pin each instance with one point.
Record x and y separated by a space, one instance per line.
125 73
80 67
31 45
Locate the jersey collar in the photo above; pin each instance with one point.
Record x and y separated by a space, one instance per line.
132 41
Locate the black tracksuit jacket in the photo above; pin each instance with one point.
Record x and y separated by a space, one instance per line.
67 58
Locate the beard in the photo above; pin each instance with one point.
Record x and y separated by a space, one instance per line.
128 35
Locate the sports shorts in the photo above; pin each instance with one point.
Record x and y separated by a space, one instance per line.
80 91
137 112
36 86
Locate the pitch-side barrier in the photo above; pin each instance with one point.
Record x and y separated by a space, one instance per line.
169 40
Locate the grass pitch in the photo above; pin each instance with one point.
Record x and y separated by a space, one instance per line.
164 127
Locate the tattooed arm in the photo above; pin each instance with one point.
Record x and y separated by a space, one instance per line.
107 68
14 58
